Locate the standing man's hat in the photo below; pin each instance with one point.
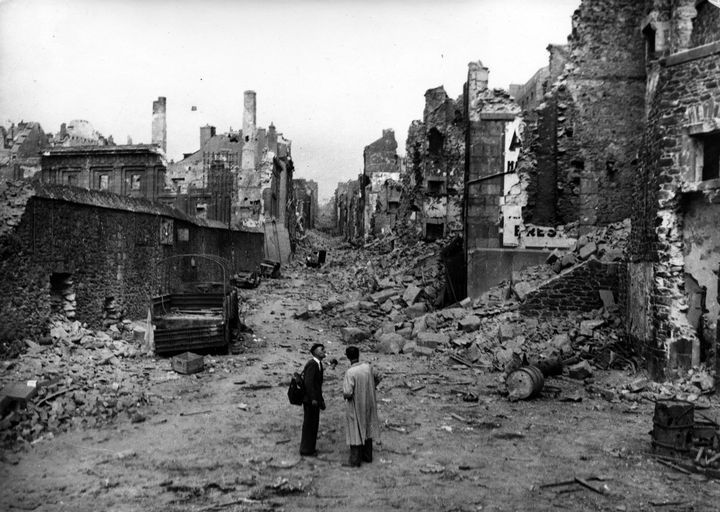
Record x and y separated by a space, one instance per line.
316 345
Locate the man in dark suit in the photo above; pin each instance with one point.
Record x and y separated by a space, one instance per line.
313 402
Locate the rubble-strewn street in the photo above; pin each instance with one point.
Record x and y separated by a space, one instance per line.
115 429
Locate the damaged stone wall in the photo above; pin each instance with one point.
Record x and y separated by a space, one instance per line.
590 131
107 246
436 149
675 243
381 163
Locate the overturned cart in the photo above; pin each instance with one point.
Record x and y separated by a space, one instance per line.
197 308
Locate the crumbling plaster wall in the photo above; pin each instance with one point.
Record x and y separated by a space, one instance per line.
675 219
110 245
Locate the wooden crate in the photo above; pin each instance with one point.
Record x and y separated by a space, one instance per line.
187 363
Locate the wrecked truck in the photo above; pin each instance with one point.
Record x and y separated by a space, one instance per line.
196 308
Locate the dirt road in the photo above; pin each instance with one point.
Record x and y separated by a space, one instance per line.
227 439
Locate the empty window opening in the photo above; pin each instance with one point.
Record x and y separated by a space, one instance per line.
393 206
434 232
135 182
62 295
649 34
708 155
103 182
436 141
435 187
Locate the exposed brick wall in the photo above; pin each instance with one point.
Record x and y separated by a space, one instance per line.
669 190
575 290
108 252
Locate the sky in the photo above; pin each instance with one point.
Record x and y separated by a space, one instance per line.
330 74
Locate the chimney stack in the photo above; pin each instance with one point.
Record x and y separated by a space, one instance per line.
159 124
206 133
248 131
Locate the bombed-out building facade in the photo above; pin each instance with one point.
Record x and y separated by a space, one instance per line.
620 132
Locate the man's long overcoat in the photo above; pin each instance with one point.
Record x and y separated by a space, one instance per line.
361 411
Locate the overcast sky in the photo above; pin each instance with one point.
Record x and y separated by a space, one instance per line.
330 74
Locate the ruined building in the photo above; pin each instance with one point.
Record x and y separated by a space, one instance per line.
380 184
631 129
674 258
243 178
305 193
348 210
20 148
435 150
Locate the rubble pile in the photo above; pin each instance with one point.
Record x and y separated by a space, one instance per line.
607 244
77 376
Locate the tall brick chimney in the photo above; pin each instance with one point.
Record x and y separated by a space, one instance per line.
206 133
159 123
248 130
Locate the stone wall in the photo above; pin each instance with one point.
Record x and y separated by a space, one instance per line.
705 24
676 207
574 290
108 247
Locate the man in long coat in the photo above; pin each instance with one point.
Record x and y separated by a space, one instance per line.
361 417
313 402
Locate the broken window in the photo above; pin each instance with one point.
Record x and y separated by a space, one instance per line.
707 156
135 182
649 34
434 231
103 182
436 141
435 187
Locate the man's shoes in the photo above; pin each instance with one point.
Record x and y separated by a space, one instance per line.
311 454
348 465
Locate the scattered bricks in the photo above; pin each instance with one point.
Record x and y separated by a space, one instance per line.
331 303
580 371
390 343
588 326
387 327
423 352
409 347
432 339
19 392
466 303
383 295
522 289
385 283
587 250
469 323
506 332
351 335
411 295
416 310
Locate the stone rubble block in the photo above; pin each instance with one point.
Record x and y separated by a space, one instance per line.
569 260
580 371
390 343
419 325
432 339
409 347
352 306
405 332
522 289
561 342
469 323
412 294
351 335
587 250
416 310
423 352
506 332
588 326
382 296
